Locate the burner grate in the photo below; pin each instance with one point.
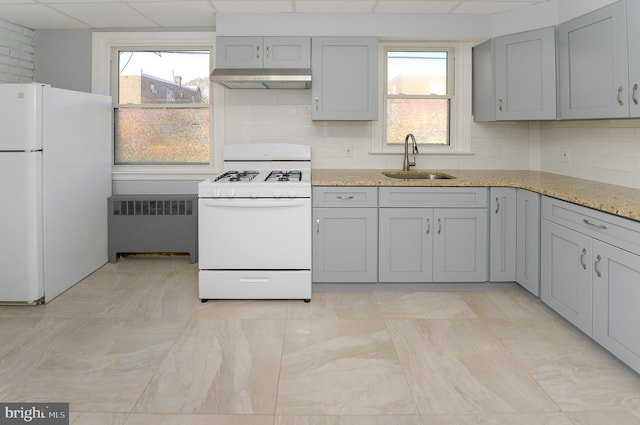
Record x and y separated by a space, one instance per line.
284 176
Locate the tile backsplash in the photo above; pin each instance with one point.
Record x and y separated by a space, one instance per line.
603 150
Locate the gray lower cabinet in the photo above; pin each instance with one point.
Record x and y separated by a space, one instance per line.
528 240
502 222
566 274
433 234
616 292
345 234
590 274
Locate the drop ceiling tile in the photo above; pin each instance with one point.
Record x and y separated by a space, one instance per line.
38 17
178 14
415 6
334 6
489 7
253 6
106 15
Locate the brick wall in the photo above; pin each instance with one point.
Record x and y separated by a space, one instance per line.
16 53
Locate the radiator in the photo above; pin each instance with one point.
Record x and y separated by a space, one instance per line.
153 224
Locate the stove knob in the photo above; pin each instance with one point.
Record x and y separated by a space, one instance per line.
231 193
277 193
292 193
254 193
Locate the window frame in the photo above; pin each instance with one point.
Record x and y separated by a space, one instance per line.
102 82
458 86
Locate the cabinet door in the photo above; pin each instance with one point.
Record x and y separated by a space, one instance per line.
460 245
633 39
593 73
406 239
502 238
566 274
239 52
525 76
616 291
528 241
345 245
345 78
287 52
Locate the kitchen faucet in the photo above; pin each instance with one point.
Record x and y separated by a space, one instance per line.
406 164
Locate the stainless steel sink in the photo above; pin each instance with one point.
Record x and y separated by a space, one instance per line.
417 174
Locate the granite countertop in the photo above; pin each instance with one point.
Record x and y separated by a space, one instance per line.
614 199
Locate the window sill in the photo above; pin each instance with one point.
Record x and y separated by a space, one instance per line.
161 173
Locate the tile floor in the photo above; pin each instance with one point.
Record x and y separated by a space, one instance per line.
133 345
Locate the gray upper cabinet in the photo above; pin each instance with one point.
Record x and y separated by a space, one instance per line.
633 40
592 59
345 78
263 52
514 77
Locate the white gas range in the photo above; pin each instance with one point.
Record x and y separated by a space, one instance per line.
254 224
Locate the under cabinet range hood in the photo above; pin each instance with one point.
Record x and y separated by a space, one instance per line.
262 78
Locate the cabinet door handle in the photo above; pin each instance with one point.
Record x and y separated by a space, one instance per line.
582 254
439 226
500 104
595 265
344 198
316 99
317 226
266 52
599 226
620 102
428 226
497 205
257 52
633 93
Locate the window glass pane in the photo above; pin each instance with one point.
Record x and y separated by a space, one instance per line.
162 136
417 73
427 119
161 77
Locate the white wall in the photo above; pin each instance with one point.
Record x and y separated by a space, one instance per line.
16 53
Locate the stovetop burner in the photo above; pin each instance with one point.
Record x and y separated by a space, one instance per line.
237 176
284 176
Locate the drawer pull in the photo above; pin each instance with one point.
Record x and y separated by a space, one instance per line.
317 225
345 198
582 254
595 265
599 226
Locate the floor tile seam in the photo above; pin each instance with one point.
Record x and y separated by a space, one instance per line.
159 363
403 368
523 366
277 394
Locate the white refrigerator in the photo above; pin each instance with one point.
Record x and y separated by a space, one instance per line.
55 178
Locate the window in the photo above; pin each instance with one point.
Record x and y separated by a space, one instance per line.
419 96
164 125
169 124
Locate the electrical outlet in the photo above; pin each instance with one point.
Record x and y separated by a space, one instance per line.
348 150
565 155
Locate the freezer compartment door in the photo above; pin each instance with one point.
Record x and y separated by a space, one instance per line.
21 241
21 117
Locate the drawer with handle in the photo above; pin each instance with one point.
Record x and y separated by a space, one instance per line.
332 197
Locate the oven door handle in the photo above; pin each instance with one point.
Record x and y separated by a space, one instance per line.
255 203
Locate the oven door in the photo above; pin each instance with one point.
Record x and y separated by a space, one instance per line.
254 234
